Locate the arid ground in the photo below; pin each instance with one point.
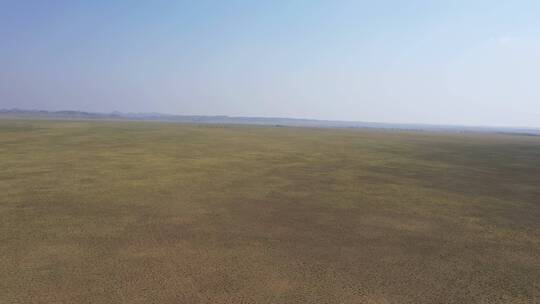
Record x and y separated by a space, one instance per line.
143 212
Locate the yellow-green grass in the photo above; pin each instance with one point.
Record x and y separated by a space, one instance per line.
142 212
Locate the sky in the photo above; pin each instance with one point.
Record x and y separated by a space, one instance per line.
438 62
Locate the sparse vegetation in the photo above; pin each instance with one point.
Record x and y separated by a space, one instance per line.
141 212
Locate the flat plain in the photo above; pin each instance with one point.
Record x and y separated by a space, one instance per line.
144 212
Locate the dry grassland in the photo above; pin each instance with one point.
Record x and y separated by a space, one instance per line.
135 212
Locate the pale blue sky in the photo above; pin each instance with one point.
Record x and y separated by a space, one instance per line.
445 62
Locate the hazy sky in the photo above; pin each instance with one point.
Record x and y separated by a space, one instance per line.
448 62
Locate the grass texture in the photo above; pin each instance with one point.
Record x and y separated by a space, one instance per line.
143 212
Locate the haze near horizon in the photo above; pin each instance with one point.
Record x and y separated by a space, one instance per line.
455 62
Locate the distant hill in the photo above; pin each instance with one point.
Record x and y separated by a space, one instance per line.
270 121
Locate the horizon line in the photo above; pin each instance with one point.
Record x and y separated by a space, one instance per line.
419 124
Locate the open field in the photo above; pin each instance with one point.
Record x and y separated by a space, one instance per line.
133 212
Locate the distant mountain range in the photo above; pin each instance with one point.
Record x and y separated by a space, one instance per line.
270 121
